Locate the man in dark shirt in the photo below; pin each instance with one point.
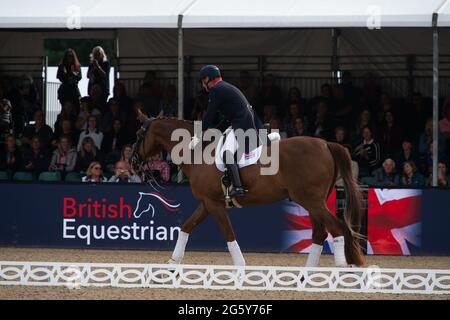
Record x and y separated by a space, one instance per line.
230 102
40 129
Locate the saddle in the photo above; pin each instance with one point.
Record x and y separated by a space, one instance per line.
225 180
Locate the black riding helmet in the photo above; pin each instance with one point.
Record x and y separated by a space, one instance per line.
209 71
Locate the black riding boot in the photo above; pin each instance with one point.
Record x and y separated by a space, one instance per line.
233 173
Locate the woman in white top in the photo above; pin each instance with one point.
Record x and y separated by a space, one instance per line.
93 132
94 173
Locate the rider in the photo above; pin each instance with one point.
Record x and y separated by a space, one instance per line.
231 103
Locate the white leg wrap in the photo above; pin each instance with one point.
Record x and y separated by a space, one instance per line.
339 252
178 252
236 254
314 255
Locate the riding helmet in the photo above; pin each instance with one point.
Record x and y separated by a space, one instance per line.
209 71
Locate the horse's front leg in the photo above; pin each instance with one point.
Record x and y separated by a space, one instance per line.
220 214
198 216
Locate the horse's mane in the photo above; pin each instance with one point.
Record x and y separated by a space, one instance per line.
188 124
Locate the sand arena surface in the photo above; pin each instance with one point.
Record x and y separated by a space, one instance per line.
134 256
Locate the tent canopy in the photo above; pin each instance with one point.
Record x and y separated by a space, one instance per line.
117 14
92 14
306 13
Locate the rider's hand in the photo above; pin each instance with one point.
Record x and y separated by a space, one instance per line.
193 142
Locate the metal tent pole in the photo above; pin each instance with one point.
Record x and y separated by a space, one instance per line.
435 99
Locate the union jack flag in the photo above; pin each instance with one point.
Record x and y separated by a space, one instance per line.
394 221
298 230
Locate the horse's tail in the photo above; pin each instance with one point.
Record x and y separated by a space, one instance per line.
353 205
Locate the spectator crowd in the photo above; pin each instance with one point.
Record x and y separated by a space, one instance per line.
389 139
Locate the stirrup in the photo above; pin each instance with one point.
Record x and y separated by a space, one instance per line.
238 192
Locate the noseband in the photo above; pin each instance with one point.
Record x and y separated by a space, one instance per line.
136 161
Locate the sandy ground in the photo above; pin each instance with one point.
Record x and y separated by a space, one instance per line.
122 256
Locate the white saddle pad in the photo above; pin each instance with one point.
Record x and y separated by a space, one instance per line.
247 159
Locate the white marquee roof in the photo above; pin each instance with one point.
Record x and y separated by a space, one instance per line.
222 14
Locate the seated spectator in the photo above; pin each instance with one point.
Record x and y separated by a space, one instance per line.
294 96
299 129
169 102
113 142
390 135
407 153
295 112
160 168
114 112
364 120
133 124
6 123
36 159
93 132
10 156
340 135
150 99
67 113
126 154
321 124
270 92
86 110
367 153
27 99
66 129
428 159
416 115
123 174
98 99
94 173
355 167
269 112
115 139
444 123
426 138
275 124
411 177
340 107
88 153
443 177
64 157
40 129
387 176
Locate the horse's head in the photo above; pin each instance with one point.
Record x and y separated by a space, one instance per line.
154 137
144 147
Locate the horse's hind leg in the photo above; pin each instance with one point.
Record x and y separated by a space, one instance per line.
319 235
337 229
219 213
197 217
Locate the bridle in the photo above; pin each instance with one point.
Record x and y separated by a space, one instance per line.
137 163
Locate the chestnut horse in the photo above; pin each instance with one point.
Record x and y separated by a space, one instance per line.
308 169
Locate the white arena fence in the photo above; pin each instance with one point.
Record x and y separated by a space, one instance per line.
268 278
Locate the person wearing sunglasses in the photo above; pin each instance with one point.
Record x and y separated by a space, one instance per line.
94 173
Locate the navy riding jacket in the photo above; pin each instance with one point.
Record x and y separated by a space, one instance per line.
226 99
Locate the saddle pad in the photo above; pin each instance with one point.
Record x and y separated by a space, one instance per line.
246 160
